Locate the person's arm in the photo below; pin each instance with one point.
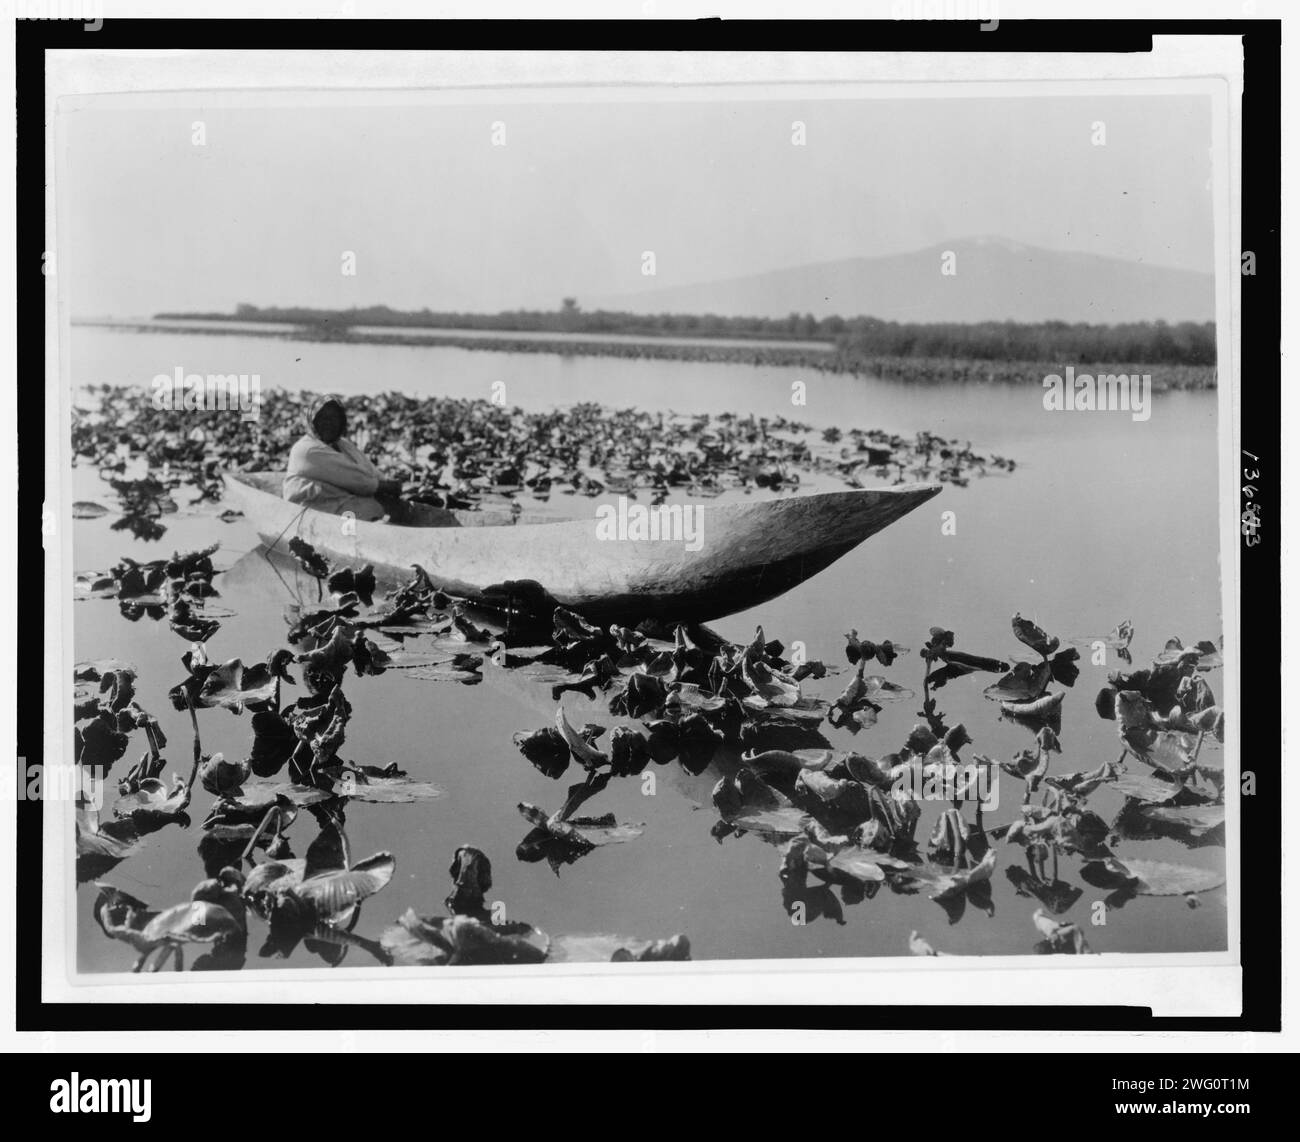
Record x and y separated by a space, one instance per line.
346 468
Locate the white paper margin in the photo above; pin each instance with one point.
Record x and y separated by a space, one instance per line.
1170 985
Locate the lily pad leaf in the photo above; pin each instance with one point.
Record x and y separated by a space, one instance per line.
546 749
747 802
1143 787
331 896
463 668
1058 895
1196 819
1033 636
150 804
273 743
1150 877
259 794
604 829
1024 683
235 686
602 948
198 921
953 884
880 689
361 583
583 751
1059 938
309 559
455 940
918 945
1044 708
358 786
858 864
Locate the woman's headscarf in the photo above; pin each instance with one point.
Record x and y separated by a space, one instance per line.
316 408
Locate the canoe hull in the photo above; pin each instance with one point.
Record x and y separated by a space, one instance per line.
747 553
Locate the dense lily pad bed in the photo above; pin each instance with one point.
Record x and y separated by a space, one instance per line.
305 766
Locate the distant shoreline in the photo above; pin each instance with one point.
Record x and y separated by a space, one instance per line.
841 359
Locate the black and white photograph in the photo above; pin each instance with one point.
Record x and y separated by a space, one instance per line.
541 530
647 527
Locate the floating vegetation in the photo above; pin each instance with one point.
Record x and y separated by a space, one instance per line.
1117 640
745 727
844 823
1131 878
176 589
214 914
106 714
479 456
472 933
1059 939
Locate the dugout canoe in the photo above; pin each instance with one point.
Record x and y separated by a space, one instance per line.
748 552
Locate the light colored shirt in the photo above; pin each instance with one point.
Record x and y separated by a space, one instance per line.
333 479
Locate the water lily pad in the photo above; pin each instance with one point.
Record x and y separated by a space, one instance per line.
1043 708
199 921
583 751
1025 682
264 794
952 884
331 896
546 749
747 802
358 786
604 948
918 945
1196 819
1060 938
1033 636
1143 787
235 686
308 558
859 864
150 804
1150 877
604 829
101 850
462 940
769 686
463 668
880 689
1058 895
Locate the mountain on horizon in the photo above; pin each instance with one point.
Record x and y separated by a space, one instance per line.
996 280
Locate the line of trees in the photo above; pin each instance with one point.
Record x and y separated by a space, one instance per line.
1145 342
1142 342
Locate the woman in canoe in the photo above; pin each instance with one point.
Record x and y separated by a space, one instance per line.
331 474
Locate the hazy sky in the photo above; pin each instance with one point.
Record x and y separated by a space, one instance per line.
437 216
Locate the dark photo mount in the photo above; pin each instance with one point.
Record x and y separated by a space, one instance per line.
1260 823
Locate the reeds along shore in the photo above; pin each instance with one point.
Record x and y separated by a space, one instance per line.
838 359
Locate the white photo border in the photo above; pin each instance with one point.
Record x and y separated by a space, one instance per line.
1202 985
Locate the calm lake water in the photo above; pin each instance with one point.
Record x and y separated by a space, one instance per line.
1104 519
